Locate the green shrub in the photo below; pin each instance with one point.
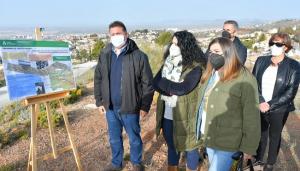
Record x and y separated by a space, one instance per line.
248 43
54 104
74 96
2 83
164 38
9 167
13 166
11 112
4 138
7 138
155 55
56 117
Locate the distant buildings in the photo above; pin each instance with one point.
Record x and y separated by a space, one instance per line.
85 41
144 35
273 31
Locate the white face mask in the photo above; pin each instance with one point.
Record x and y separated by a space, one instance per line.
118 40
276 51
174 50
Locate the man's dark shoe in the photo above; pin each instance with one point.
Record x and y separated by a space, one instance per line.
111 167
258 163
138 167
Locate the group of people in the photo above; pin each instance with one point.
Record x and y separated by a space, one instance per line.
206 99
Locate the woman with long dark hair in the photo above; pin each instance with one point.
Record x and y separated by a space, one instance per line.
278 78
227 110
177 83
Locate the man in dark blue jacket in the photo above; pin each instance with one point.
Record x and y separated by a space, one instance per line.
123 91
230 29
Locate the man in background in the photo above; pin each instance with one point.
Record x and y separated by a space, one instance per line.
230 29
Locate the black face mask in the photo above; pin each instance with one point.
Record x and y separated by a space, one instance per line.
226 34
216 60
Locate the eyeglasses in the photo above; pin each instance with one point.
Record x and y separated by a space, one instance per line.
277 44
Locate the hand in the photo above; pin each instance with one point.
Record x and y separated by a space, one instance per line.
247 157
102 109
143 113
264 107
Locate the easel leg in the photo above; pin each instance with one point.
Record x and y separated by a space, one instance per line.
32 164
29 157
51 131
75 152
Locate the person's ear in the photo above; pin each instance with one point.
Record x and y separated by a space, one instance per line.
126 35
234 33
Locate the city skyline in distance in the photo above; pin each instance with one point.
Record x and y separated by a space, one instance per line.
208 24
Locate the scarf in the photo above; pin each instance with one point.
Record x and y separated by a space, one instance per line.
172 70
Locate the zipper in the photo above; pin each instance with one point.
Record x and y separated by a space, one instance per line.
121 88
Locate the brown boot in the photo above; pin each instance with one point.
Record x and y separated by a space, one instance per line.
173 168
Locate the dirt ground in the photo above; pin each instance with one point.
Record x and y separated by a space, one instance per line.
89 130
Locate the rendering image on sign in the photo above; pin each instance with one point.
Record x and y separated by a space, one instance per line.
36 67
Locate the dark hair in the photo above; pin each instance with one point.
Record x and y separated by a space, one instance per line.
117 24
233 22
285 39
190 50
232 64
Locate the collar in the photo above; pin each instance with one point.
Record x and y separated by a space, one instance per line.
283 60
123 49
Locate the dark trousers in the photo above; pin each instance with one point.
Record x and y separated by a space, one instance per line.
192 157
271 127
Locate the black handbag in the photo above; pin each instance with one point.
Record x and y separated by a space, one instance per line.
239 158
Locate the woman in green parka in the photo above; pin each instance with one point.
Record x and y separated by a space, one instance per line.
228 118
177 82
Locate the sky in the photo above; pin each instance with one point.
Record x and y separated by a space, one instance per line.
99 13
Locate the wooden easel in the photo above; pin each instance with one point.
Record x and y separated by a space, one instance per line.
35 102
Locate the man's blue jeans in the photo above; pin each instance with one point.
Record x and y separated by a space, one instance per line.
130 122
